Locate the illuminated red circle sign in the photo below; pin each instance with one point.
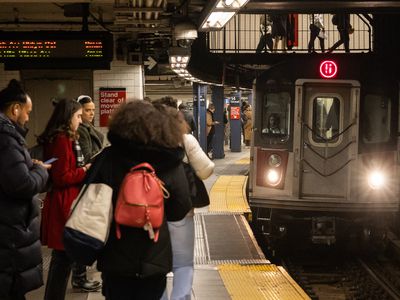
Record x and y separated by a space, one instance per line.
328 69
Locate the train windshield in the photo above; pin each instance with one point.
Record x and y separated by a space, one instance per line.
276 114
326 119
376 116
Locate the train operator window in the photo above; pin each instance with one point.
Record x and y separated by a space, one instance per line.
276 115
376 119
326 119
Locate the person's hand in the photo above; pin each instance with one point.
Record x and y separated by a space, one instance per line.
87 167
40 163
216 122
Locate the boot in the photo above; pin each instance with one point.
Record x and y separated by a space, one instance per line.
80 281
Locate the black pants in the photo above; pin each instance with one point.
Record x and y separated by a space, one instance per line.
265 40
314 31
57 280
130 288
344 39
210 137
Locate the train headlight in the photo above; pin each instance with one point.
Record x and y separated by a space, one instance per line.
376 180
273 177
274 160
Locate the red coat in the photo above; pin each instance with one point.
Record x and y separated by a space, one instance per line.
66 182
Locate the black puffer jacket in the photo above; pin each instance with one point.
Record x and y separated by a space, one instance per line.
135 254
20 181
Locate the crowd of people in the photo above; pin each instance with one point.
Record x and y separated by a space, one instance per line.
278 29
133 267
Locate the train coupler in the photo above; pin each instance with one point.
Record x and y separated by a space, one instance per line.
323 230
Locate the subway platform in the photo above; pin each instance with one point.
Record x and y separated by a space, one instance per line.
228 262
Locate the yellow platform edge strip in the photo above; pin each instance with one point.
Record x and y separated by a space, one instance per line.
228 194
244 282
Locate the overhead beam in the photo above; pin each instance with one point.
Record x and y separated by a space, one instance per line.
322 6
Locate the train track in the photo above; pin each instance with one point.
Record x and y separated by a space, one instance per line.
333 275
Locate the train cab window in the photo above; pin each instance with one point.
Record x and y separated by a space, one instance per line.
276 115
326 119
376 119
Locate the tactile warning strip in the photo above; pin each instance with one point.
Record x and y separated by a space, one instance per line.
228 195
243 161
259 282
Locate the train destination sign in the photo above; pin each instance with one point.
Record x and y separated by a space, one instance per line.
55 47
52 48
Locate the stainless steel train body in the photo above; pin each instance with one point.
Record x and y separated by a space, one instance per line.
324 155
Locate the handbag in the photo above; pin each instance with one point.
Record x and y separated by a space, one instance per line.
197 189
87 228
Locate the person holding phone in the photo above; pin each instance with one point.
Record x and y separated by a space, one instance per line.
60 140
21 178
91 143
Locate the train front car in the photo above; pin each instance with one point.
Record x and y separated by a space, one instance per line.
324 164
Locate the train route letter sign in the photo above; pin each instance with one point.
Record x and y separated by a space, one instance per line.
110 99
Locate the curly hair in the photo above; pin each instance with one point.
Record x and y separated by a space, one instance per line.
60 121
148 124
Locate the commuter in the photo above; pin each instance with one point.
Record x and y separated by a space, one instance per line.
91 142
60 141
344 27
21 178
248 126
210 127
266 35
227 128
291 31
279 30
273 126
317 30
182 232
188 115
135 267
243 117
90 139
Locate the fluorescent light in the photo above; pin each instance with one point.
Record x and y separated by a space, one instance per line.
217 20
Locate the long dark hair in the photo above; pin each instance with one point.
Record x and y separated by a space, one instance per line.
13 93
60 121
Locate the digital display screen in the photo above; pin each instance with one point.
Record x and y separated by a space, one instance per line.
81 48
40 49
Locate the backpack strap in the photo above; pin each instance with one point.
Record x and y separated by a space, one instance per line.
144 165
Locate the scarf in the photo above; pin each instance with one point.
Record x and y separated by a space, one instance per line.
80 159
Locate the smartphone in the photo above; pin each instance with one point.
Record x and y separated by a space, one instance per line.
50 161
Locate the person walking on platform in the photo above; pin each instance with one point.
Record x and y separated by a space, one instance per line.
342 22
210 122
21 178
317 30
248 126
188 115
182 232
60 141
134 266
91 142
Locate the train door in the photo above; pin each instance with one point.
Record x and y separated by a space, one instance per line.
328 138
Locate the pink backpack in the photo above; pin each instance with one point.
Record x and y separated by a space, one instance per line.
140 201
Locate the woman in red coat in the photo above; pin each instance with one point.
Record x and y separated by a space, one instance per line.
60 141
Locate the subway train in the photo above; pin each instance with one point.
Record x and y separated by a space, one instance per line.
324 161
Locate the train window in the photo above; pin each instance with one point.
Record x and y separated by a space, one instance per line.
326 119
376 119
276 114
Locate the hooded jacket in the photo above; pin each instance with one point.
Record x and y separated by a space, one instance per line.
135 254
20 181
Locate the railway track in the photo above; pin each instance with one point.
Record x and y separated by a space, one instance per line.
332 274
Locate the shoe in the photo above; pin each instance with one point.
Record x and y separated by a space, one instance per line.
86 285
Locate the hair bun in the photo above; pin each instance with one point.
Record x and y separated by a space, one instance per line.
15 85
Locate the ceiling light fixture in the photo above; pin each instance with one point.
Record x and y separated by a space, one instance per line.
217 13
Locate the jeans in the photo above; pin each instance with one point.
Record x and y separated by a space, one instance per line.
130 288
182 240
57 280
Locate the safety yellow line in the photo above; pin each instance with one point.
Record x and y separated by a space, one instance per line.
243 161
228 195
259 282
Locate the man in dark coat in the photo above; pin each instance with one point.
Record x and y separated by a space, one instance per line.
188 117
20 180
